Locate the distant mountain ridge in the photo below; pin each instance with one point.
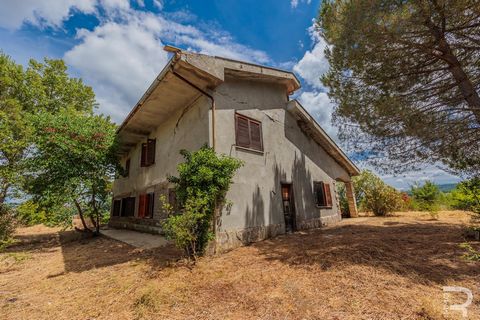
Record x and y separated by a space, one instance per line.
447 187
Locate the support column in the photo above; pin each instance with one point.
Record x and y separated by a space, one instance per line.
352 203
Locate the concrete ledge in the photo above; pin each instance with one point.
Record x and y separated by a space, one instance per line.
142 225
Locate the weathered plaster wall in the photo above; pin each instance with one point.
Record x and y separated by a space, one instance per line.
185 129
289 156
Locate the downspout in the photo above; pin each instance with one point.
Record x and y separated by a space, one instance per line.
213 143
205 94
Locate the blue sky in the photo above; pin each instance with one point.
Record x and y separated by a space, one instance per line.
116 46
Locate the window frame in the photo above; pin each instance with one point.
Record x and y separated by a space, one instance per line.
324 188
250 145
148 152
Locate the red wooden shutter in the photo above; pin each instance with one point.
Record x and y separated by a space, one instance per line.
242 131
142 203
143 157
150 151
328 195
255 135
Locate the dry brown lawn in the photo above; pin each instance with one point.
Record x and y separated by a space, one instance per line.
364 268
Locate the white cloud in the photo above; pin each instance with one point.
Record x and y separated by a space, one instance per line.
318 104
294 3
40 12
122 55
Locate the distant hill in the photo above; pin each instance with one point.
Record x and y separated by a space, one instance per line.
447 187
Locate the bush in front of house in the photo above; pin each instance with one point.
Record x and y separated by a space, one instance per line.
374 195
202 183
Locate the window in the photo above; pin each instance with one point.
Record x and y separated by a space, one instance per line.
323 195
147 157
116 208
127 168
248 132
145 205
128 207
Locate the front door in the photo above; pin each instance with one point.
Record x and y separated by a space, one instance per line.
288 207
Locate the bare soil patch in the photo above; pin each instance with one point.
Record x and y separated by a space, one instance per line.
364 268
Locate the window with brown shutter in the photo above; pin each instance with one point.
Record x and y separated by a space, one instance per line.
323 195
147 157
151 151
143 157
142 205
248 132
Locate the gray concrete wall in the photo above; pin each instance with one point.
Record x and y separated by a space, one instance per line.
186 129
289 156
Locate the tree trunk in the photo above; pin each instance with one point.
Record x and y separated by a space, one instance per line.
80 213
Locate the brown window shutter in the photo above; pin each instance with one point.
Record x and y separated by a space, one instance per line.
150 151
143 157
328 195
142 202
255 135
242 131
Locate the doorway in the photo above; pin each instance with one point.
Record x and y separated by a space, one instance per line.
288 207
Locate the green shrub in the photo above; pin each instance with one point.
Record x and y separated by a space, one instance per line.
203 181
28 213
427 198
466 195
376 196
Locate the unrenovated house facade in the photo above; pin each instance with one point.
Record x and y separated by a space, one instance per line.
290 169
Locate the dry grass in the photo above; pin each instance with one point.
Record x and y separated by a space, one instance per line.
364 268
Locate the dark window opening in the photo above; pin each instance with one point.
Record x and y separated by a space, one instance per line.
116 208
323 195
248 132
147 157
128 207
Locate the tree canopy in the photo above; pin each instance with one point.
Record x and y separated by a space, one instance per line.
40 88
73 164
405 76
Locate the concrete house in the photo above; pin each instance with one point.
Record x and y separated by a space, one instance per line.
291 166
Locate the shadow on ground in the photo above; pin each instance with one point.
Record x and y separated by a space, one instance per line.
427 252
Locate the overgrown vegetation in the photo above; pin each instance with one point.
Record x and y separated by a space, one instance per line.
426 198
202 183
7 225
374 195
466 195
54 151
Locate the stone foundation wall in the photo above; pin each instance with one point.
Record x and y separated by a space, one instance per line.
228 240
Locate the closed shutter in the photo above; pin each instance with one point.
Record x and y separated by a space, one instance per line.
255 135
150 151
242 131
143 157
142 205
328 195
